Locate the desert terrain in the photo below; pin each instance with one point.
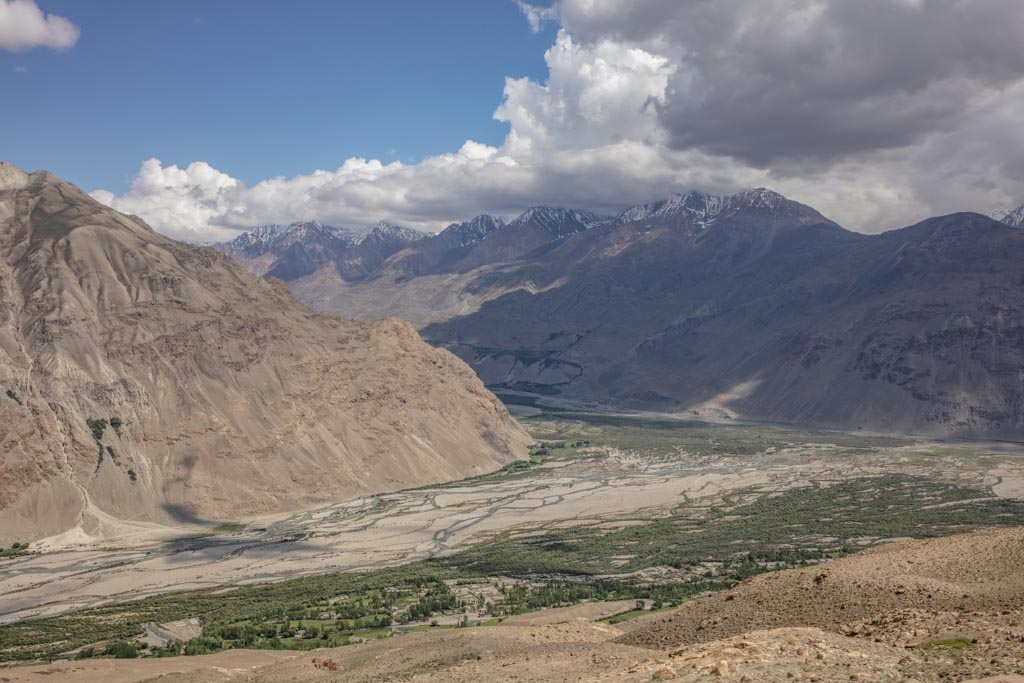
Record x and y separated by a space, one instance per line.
600 486
944 609
659 508
148 382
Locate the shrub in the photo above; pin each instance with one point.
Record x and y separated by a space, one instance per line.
122 650
97 427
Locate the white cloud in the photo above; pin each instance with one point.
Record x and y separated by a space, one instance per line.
183 203
599 94
537 16
879 113
23 26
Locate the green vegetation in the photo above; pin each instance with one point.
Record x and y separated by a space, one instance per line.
711 552
14 397
952 643
794 528
539 453
533 388
15 550
664 437
625 616
97 426
122 650
708 546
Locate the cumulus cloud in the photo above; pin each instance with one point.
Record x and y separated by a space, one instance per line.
769 81
598 94
877 112
537 16
24 26
183 203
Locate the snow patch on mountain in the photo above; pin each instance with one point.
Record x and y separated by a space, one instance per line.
265 238
389 232
472 231
558 221
703 208
1013 218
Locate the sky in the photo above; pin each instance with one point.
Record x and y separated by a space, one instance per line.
210 118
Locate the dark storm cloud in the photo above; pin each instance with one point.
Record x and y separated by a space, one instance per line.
777 81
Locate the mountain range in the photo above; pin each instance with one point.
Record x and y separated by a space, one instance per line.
749 305
144 381
289 252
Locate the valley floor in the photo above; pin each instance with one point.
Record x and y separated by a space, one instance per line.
632 501
946 609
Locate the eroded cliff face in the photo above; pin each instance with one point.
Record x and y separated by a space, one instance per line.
144 380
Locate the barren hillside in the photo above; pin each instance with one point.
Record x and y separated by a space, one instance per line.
144 380
946 609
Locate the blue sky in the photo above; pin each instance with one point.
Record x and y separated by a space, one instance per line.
260 89
208 118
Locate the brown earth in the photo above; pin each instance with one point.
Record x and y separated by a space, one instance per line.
223 396
864 618
971 572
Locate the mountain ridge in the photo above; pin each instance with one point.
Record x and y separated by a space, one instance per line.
712 304
1013 218
149 382
811 325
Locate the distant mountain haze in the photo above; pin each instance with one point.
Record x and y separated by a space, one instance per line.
289 252
749 305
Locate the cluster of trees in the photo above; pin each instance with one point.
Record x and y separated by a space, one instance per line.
118 649
527 597
15 549
437 600
543 449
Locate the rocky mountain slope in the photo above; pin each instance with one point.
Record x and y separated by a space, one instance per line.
767 313
433 279
146 381
747 305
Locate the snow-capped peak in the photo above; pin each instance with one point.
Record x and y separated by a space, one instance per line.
1013 218
557 219
261 239
391 232
471 231
703 208
759 198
